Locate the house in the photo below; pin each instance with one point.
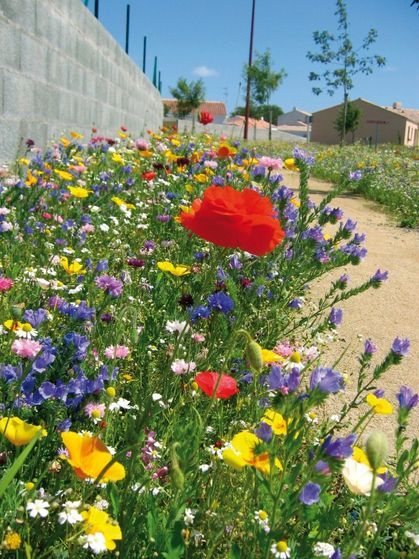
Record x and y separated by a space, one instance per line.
377 125
296 122
216 108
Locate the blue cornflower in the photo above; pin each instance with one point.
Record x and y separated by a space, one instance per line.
326 380
310 494
220 301
340 448
400 347
200 312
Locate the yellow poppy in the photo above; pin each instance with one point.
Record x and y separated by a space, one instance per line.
241 453
120 202
30 179
18 432
79 192
201 178
88 456
76 135
179 270
290 164
65 142
73 268
64 175
276 422
380 406
269 356
13 325
117 158
96 520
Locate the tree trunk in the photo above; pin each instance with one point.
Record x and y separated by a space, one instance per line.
345 112
270 124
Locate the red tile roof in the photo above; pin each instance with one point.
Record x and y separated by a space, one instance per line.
239 121
216 108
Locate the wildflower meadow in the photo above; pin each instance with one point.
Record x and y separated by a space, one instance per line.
163 373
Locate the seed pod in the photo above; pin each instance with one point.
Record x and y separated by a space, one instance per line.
377 448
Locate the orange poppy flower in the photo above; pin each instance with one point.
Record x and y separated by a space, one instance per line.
88 456
234 219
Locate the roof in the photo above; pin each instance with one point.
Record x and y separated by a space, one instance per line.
296 110
238 120
299 126
409 114
216 108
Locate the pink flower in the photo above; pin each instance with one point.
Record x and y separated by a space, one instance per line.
95 411
198 337
181 367
5 284
271 163
116 352
28 349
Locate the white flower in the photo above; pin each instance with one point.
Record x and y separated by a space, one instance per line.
156 396
38 507
76 289
323 549
121 403
178 326
28 334
101 504
96 542
70 513
414 537
189 516
280 550
262 519
181 367
358 477
204 467
104 227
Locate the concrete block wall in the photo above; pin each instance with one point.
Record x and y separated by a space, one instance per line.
60 70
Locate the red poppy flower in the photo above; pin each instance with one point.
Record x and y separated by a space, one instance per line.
234 219
223 152
205 118
209 382
149 176
124 128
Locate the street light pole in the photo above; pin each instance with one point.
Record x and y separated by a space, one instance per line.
247 112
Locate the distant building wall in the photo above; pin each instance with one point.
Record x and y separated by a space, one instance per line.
293 117
390 128
61 70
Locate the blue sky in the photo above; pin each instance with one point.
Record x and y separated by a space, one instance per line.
210 38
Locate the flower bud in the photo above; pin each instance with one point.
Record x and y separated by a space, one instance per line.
254 356
377 448
111 392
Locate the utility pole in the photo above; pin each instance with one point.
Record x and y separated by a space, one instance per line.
247 112
144 52
155 72
97 9
127 30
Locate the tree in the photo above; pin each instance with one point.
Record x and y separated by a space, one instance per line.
351 123
260 111
188 96
263 81
338 51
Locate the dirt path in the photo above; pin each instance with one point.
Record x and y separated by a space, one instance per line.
382 314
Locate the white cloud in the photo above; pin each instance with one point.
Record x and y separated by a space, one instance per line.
205 72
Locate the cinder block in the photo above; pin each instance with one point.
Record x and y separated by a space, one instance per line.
49 25
1 92
46 101
9 45
10 139
21 12
33 57
57 68
18 95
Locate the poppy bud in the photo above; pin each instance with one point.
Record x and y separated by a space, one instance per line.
17 312
377 448
175 471
254 356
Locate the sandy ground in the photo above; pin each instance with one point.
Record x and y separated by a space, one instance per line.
379 314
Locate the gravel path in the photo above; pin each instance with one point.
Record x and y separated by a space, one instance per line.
382 314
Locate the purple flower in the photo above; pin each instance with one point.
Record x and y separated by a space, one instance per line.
102 265
379 393
406 398
350 225
35 318
264 432
235 263
339 448
135 262
389 484
296 303
337 554
355 175
326 380
379 277
200 312
400 347
310 494
335 316
370 347
110 285
285 383
220 301
322 467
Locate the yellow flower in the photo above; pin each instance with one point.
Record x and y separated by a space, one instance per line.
145 153
175 142
178 270
201 178
122 135
76 135
64 175
290 164
30 179
18 432
269 356
65 142
379 405
24 161
13 325
241 453
117 158
360 456
12 541
79 192
120 202
73 268
295 202
96 520
188 188
276 421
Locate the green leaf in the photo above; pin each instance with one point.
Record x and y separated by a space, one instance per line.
234 552
17 464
